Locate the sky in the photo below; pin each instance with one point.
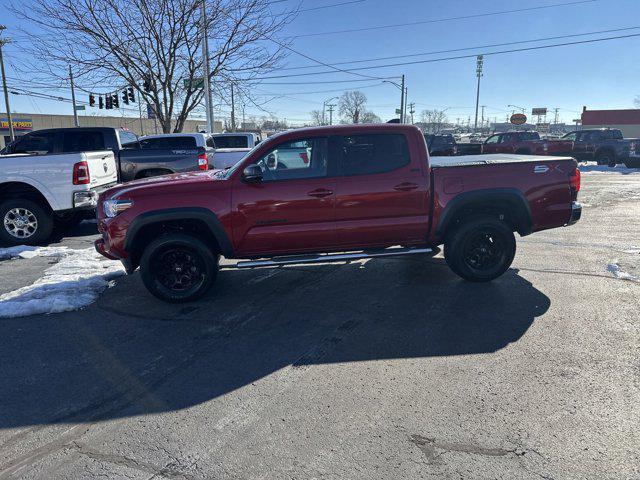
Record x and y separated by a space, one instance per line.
599 75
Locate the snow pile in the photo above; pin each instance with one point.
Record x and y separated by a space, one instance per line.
24 251
592 168
619 273
72 283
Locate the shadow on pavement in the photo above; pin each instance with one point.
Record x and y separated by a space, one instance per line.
130 354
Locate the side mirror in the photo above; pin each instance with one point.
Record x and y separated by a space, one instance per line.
252 173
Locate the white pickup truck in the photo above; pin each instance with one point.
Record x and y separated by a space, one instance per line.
230 148
39 189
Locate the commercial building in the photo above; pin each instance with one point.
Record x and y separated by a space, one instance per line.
626 120
27 122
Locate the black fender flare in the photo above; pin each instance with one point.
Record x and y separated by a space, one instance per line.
181 213
491 196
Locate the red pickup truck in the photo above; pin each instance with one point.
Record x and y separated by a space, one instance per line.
526 143
366 191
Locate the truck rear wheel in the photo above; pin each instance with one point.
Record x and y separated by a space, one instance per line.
24 222
480 249
605 157
178 268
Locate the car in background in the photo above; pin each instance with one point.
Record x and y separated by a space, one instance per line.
133 159
525 143
441 145
606 146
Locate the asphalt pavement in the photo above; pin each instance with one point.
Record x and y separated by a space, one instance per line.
387 368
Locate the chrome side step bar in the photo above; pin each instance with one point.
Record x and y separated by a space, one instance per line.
330 257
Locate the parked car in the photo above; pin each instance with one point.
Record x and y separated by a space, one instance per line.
231 147
181 142
40 188
441 145
606 146
132 160
365 189
525 143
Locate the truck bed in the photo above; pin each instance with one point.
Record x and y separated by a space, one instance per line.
490 159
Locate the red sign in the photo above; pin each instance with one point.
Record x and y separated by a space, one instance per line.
518 118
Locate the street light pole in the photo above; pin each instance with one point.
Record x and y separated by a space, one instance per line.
73 99
402 92
479 63
208 103
331 105
3 42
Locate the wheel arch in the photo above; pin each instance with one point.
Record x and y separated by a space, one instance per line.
198 221
510 203
12 189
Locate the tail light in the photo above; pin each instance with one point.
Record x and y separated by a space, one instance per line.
305 158
81 173
574 181
203 162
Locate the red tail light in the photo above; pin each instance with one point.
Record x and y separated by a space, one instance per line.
575 180
203 162
81 173
305 158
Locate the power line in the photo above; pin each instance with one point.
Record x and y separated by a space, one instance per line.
499 52
490 45
329 6
462 17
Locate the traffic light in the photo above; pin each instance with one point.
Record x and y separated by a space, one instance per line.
115 101
92 100
108 101
100 102
132 97
147 84
125 97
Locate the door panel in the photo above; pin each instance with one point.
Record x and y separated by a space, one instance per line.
384 208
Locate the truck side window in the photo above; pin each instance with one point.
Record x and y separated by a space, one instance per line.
296 160
168 143
35 144
570 136
128 140
82 142
492 139
369 154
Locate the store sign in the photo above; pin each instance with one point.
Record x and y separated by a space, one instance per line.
539 111
518 119
19 124
543 127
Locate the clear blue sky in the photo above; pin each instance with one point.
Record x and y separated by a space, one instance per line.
598 75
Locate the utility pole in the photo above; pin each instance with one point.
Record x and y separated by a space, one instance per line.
412 106
3 42
140 113
479 63
73 99
331 105
555 118
208 102
482 122
233 111
402 100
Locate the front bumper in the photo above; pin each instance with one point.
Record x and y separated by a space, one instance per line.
576 213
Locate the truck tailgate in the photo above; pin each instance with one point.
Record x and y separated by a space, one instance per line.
102 167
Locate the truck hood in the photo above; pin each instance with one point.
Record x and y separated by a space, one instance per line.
153 185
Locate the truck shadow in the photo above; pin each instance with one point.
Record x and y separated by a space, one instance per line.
130 354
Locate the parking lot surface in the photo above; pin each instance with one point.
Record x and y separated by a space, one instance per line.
387 368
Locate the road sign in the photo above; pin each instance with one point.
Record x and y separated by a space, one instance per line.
518 119
539 111
150 113
196 83
398 111
80 107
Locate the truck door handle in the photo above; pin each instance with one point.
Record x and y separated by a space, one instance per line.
320 192
405 186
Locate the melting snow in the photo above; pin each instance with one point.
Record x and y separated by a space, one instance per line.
72 283
619 273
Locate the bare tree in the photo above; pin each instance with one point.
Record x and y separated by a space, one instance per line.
351 106
316 117
433 120
113 44
369 117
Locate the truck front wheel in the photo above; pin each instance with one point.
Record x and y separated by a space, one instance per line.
178 268
480 249
24 222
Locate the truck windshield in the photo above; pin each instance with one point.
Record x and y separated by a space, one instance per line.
231 141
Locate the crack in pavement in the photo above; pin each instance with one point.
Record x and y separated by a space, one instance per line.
430 447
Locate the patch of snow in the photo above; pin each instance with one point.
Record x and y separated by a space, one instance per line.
592 168
24 251
73 283
615 269
632 250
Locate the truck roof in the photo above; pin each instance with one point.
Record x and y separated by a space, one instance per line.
351 129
